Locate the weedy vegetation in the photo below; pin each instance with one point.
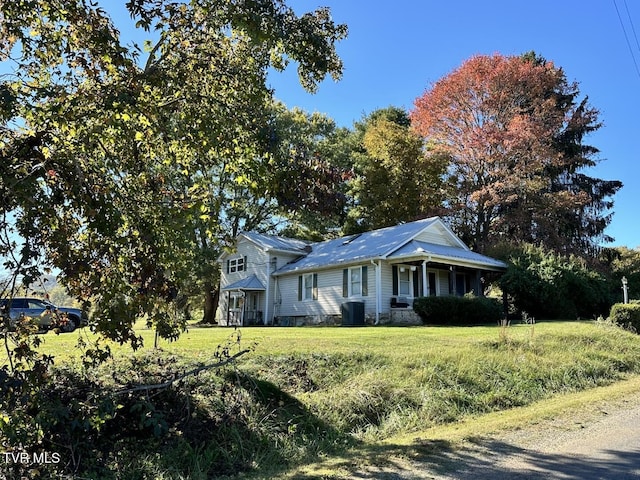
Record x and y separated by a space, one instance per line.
299 394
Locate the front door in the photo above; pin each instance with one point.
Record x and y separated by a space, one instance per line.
236 308
253 312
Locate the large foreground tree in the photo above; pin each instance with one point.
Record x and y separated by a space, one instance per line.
513 129
122 169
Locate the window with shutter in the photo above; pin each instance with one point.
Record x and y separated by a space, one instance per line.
404 282
345 282
308 287
355 282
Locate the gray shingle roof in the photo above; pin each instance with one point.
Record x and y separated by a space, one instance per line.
270 242
358 248
248 283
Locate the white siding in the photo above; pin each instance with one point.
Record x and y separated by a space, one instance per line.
256 264
277 260
330 296
256 259
436 234
261 264
281 296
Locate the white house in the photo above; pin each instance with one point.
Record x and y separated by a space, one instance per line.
372 276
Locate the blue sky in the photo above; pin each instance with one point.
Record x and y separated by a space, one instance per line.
395 50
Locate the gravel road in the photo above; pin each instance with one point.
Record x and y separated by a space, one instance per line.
602 443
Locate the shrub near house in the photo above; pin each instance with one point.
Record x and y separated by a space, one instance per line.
452 310
627 315
549 286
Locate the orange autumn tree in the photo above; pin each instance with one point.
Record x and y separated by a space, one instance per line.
513 130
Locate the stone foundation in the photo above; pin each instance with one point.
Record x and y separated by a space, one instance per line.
397 316
404 316
309 320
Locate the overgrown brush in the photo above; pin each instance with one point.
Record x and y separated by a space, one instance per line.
385 397
271 412
106 424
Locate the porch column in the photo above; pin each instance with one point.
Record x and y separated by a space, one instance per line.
378 291
425 279
479 285
453 284
244 307
266 293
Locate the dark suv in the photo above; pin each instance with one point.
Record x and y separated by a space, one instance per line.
47 314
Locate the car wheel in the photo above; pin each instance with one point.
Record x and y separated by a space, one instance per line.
71 325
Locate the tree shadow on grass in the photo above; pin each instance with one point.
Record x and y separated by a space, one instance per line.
326 453
290 433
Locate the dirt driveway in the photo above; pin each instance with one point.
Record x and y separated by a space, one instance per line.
603 443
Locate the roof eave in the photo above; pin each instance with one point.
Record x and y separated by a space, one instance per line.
316 268
460 262
301 253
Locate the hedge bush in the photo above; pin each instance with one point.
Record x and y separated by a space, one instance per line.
453 310
551 286
627 315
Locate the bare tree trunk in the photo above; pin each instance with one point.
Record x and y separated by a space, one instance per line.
211 299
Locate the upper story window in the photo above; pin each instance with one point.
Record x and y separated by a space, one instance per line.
236 265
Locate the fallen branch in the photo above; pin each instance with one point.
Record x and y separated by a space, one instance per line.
195 371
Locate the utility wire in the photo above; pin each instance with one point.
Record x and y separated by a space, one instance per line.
624 30
635 36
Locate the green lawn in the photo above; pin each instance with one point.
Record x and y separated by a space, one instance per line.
393 341
317 392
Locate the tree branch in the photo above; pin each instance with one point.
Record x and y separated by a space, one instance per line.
195 371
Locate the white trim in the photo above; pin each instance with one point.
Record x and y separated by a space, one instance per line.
377 267
452 235
266 296
378 291
277 298
436 221
436 283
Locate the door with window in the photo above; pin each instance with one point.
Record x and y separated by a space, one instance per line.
253 313
236 306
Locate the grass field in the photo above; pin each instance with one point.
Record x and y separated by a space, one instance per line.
394 341
309 393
